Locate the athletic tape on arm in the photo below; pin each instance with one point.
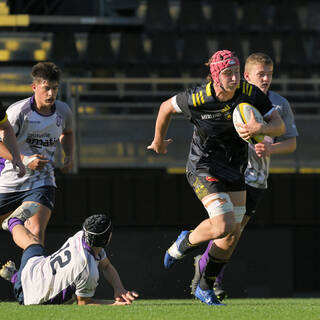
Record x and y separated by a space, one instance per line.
28 159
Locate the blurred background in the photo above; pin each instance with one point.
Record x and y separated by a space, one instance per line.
120 59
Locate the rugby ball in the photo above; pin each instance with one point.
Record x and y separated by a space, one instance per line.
242 114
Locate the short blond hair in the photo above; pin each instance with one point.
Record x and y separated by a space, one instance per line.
257 58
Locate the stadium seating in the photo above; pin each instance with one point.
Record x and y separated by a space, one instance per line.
64 51
157 17
224 16
194 54
191 17
132 59
175 39
163 58
286 17
255 17
99 52
313 16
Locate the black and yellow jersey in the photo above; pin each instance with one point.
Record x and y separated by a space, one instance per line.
3 114
214 134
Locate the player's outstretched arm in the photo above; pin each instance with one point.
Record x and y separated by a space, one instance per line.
111 275
159 144
81 301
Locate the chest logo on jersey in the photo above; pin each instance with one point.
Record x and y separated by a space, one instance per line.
218 114
32 121
43 140
58 121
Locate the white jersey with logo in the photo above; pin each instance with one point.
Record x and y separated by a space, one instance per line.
56 278
257 171
36 134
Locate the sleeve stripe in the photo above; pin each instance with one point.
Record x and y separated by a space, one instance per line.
194 100
4 119
201 97
198 99
208 89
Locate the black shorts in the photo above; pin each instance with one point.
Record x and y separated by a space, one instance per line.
204 185
44 195
254 196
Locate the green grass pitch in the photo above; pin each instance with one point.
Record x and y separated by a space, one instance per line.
236 309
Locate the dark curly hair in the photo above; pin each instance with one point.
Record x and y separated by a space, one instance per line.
45 71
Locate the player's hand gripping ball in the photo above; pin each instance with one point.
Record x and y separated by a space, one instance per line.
242 114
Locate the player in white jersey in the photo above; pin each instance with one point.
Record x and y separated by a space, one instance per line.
70 274
39 123
10 143
258 71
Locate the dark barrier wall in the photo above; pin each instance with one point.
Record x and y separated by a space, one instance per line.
277 256
155 198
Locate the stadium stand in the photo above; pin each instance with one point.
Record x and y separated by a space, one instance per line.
255 17
64 51
98 51
194 54
163 58
132 59
313 16
191 17
134 48
157 17
286 17
224 16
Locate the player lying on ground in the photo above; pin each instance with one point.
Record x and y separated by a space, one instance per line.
71 273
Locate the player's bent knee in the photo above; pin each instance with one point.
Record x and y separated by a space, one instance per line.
29 208
217 204
222 231
239 212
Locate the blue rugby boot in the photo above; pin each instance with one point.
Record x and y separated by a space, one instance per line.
174 252
207 296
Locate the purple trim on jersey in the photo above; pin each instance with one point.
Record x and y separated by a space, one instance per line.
2 161
63 296
33 107
89 249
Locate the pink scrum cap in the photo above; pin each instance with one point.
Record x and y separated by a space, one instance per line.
221 60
